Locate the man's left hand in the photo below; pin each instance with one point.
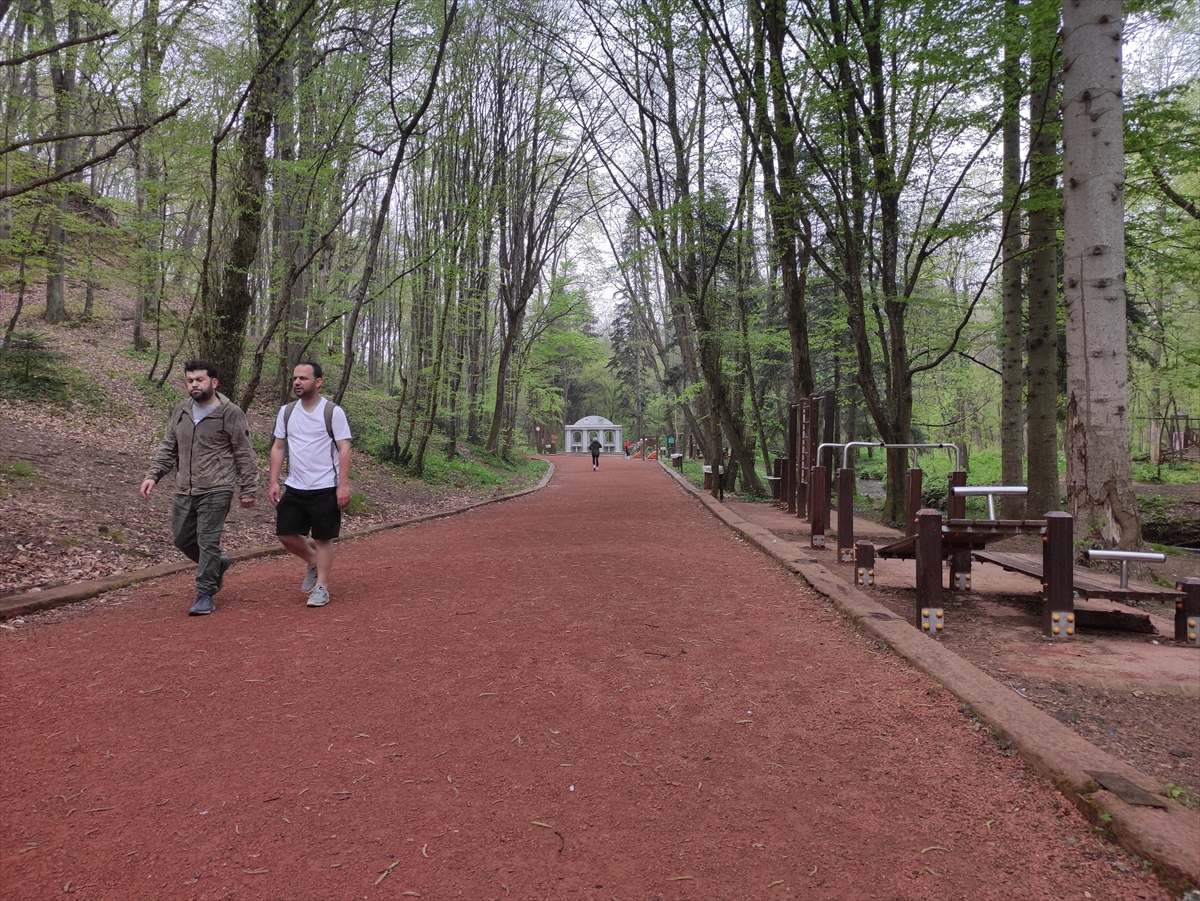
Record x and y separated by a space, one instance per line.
343 496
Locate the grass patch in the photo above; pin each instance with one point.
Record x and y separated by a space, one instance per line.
20 470
1170 473
478 469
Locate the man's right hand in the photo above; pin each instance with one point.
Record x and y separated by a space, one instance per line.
274 494
146 487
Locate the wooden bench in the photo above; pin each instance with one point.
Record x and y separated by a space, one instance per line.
935 540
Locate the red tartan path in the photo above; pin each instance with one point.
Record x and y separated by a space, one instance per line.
591 691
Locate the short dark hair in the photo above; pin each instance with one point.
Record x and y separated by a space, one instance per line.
196 365
316 367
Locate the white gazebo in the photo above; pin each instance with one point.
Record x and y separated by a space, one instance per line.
580 435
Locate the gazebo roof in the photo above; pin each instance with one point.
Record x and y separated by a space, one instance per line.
592 422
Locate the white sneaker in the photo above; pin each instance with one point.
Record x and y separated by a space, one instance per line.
318 597
310 580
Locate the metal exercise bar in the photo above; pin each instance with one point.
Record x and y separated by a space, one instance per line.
914 447
991 491
1125 557
852 444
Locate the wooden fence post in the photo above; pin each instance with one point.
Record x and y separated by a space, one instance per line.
1187 612
817 506
912 501
928 615
1058 571
956 508
788 486
845 512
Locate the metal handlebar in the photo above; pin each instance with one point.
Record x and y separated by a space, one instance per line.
1125 557
991 491
850 444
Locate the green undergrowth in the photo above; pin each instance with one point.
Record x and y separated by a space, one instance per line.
32 369
1171 473
473 468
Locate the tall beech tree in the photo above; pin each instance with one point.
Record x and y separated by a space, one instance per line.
406 121
226 304
1099 481
538 161
1012 344
886 153
1043 202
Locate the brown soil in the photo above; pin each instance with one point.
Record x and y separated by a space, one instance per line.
595 691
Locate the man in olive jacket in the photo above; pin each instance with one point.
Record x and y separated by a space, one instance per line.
208 442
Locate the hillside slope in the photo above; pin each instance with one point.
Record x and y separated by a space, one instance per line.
69 507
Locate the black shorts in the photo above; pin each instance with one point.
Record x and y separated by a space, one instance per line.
299 511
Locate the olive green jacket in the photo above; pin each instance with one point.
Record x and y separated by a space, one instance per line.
215 455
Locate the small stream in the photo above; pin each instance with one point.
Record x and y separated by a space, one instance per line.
872 488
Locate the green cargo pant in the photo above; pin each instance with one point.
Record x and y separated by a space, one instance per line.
197 522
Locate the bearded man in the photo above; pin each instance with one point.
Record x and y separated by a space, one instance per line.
207 441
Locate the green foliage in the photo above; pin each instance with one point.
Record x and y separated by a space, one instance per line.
358 504
563 354
32 369
1181 795
27 357
18 470
371 414
481 470
1175 472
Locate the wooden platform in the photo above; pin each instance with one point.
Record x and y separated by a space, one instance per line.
1087 582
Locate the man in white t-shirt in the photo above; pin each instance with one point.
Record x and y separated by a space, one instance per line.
317 445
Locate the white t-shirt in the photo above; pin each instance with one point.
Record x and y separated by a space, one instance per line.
311 463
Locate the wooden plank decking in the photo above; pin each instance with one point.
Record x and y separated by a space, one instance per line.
1087 582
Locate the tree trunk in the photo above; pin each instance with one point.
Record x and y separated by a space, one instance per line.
62 80
1044 201
1099 484
226 312
1012 444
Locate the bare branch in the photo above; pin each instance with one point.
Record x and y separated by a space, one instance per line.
83 166
46 51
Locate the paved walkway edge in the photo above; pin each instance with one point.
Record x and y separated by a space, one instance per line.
1168 837
59 596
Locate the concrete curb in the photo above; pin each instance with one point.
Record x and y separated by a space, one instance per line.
1169 837
37 601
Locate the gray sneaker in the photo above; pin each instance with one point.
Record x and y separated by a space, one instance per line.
318 597
204 605
310 580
